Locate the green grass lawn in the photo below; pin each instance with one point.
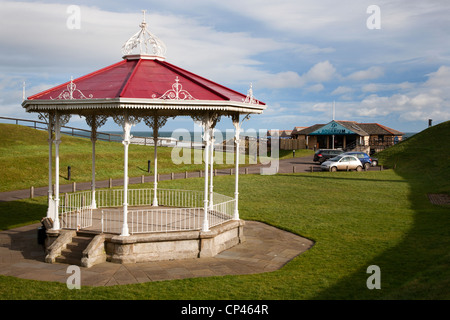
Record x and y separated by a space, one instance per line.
356 219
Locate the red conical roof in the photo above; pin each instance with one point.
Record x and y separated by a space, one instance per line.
141 78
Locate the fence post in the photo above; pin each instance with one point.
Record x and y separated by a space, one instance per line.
74 186
185 174
142 179
32 192
246 170
171 176
110 183
293 169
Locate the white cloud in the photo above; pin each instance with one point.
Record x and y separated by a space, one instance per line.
315 88
375 87
287 79
321 72
342 90
370 73
417 102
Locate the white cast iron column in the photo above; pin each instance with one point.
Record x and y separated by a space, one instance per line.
126 142
206 135
155 178
211 172
93 202
57 142
126 121
236 185
94 122
50 210
155 122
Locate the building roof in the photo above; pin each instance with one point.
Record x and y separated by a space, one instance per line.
297 129
376 128
142 79
362 129
308 130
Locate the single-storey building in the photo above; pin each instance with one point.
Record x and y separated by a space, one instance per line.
347 135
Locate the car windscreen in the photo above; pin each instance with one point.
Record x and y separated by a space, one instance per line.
335 158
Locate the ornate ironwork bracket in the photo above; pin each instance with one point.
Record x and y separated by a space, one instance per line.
95 122
126 121
176 93
68 93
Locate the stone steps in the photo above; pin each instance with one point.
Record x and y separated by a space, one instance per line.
73 252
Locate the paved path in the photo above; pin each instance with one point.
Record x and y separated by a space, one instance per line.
266 249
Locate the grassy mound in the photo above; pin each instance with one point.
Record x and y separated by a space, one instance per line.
425 157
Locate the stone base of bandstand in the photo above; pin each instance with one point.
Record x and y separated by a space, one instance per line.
151 246
174 245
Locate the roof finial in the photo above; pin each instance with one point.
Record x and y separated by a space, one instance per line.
249 98
148 43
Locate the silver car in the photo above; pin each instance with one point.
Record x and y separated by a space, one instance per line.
342 162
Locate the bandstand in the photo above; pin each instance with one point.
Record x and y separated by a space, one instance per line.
133 225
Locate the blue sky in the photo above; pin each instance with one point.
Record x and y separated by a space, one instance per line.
300 55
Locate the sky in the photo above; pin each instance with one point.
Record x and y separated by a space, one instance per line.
370 61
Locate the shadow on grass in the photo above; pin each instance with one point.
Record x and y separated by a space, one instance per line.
336 177
18 213
19 222
416 268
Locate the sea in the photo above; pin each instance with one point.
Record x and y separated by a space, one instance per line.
184 135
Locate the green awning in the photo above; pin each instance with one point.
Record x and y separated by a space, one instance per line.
332 128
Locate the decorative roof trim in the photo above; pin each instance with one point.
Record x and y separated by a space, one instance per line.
151 104
176 93
68 93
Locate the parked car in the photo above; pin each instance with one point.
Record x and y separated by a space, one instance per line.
342 162
363 157
322 155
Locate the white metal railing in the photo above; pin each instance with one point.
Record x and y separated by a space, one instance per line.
221 212
75 217
144 197
152 220
76 210
76 200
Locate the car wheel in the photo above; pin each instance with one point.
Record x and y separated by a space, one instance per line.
366 165
333 169
359 168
